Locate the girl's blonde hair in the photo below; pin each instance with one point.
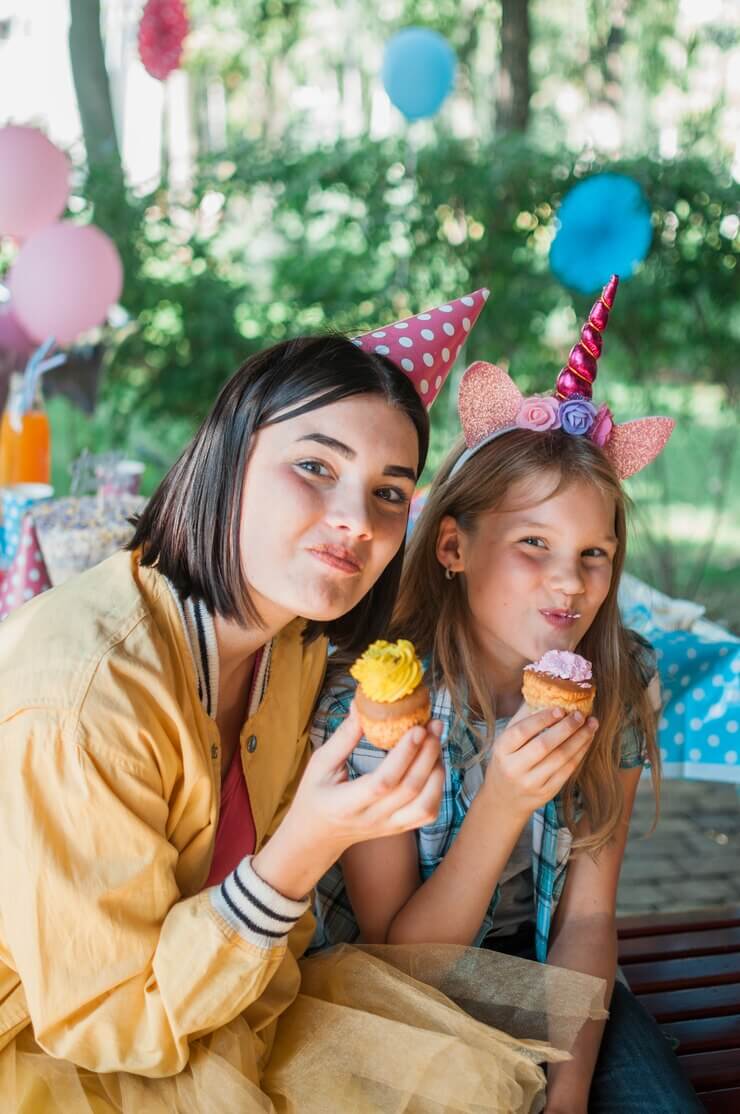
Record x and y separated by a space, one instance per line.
434 613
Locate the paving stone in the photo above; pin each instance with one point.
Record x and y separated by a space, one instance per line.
660 846
702 843
642 869
719 821
714 864
692 859
641 896
627 910
671 825
693 892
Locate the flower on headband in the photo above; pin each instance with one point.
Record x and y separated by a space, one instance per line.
577 416
539 413
603 425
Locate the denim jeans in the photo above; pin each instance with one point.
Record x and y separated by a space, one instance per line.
637 1071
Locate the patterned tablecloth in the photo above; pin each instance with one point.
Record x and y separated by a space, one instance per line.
62 537
699 665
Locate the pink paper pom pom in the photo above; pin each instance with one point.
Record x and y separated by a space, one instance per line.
162 30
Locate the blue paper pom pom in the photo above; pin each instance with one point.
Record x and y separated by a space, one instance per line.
603 229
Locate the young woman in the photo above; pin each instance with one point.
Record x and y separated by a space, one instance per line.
518 551
160 825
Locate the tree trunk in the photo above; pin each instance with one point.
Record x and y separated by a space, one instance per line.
91 85
512 104
105 184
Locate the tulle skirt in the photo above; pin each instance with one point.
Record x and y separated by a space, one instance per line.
376 1030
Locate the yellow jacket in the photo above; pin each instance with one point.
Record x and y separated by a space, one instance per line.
109 799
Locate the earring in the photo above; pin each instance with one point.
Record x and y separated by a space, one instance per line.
449 574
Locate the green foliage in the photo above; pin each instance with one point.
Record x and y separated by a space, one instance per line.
271 245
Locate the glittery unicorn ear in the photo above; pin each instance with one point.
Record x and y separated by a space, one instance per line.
632 445
488 400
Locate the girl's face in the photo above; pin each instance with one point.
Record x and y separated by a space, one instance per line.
325 504
537 570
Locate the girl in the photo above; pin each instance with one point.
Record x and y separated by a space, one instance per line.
519 550
160 826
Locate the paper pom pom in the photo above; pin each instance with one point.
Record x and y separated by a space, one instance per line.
164 25
604 227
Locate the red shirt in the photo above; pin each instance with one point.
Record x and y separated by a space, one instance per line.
235 835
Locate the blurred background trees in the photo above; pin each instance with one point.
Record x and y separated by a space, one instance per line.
269 188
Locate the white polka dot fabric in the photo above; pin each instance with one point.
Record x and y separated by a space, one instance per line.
426 346
699 728
27 575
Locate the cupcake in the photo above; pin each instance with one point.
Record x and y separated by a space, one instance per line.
390 696
559 680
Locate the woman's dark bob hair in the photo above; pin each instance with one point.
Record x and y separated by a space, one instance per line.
190 527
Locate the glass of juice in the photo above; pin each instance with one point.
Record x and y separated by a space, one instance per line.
25 440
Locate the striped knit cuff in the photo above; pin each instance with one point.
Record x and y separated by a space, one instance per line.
253 908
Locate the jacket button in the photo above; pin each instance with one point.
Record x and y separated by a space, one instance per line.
252 744
214 751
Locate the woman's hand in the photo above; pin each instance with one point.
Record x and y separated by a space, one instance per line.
331 812
403 792
533 758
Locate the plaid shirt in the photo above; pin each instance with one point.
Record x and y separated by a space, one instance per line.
464 769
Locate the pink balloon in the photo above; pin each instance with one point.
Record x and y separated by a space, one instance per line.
13 337
34 181
65 278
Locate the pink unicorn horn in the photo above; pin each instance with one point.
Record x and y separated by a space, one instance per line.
577 377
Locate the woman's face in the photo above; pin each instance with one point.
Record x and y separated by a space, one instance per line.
537 572
325 504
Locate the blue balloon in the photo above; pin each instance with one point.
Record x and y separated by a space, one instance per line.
418 71
604 229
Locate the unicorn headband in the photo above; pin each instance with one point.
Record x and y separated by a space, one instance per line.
490 404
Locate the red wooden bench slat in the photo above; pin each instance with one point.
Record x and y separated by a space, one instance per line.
708 941
679 974
708 1034
721 1102
703 1001
711 1070
719 917
685 970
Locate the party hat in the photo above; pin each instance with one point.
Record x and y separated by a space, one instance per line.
490 404
426 345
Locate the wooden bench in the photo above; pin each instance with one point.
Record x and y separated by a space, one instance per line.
685 969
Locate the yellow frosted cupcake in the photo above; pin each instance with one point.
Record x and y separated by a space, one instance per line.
390 696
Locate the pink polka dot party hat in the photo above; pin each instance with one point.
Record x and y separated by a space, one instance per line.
426 345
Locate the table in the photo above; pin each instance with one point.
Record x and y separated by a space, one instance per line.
61 537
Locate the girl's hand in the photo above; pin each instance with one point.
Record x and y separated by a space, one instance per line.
331 812
534 757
